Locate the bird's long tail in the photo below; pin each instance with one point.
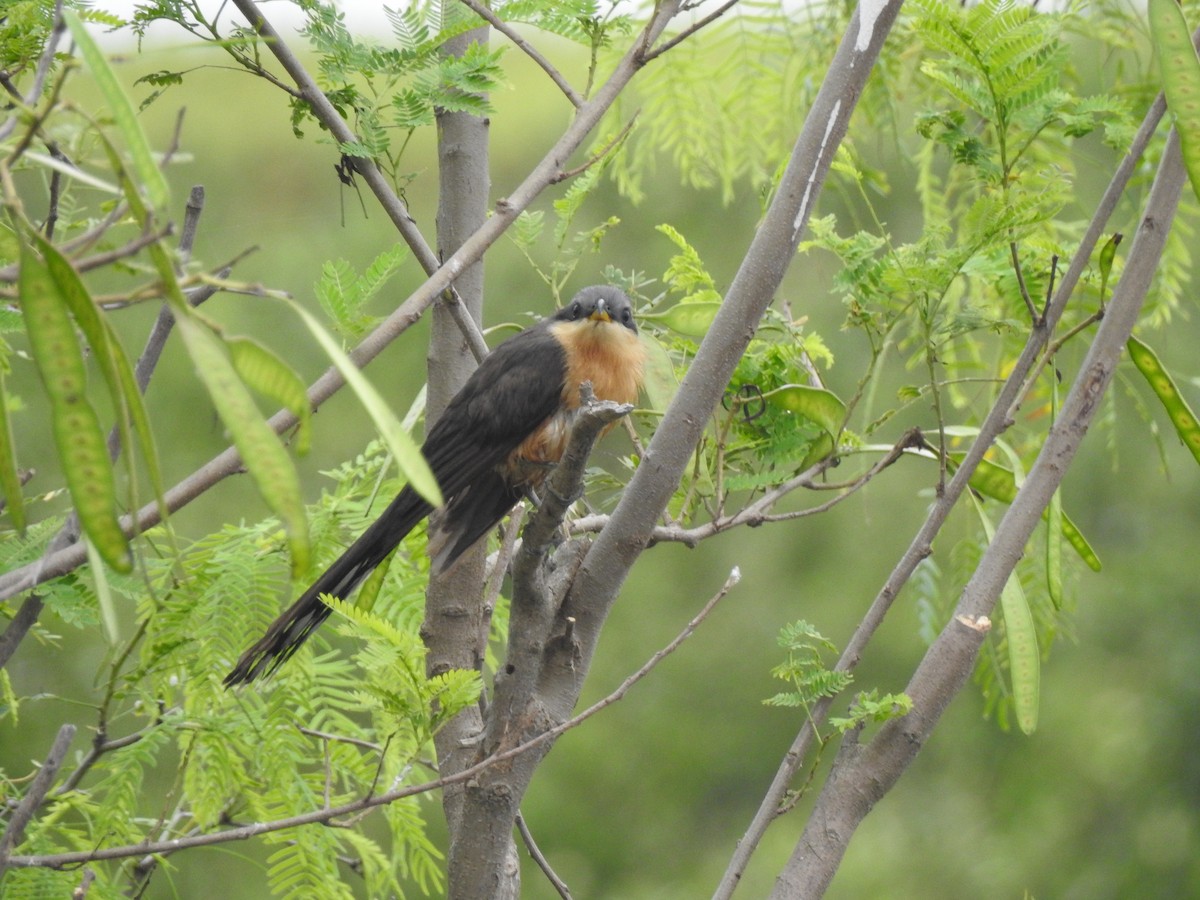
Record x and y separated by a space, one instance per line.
293 627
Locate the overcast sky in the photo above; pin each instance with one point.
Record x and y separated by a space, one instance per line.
362 16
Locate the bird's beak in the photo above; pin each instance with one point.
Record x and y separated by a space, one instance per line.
601 313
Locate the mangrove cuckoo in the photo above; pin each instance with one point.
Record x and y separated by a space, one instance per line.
496 441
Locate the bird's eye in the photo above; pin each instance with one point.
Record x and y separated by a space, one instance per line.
576 309
627 315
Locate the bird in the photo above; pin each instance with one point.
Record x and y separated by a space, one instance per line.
496 441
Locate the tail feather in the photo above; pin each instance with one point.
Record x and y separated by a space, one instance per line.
293 627
470 515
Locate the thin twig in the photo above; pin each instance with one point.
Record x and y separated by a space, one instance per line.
145 867
598 155
495 580
535 852
33 798
342 739
327 115
191 223
756 513
525 47
1016 261
690 30
9 274
85 884
98 749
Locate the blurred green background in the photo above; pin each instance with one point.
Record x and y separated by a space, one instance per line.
649 798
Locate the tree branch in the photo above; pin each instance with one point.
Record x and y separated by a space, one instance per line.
492 801
25 618
691 30
996 422
536 854
594 588
328 116
565 485
862 778
33 798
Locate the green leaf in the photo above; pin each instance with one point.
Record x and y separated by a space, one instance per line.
870 707
1180 71
1054 530
122 112
689 319
1054 535
104 596
343 293
527 228
686 273
77 432
1164 388
260 448
10 480
660 381
266 373
1024 660
1107 254
114 365
1080 544
821 406
72 172
405 451
369 591
805 669
997 482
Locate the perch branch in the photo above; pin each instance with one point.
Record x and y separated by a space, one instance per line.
565 485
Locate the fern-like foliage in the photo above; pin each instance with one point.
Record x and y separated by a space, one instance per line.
724 111
331 727
386 89
343 294
554 255
755 439
993 172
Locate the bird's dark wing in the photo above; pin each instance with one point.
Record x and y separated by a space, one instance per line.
516 390
512 393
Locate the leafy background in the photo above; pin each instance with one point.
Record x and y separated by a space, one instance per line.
649 798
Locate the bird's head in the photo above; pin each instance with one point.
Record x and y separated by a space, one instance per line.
601 304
